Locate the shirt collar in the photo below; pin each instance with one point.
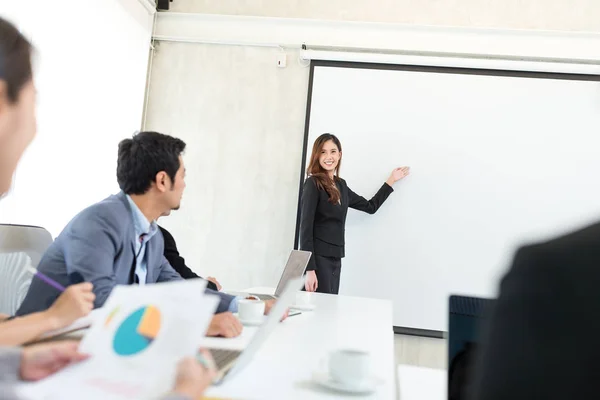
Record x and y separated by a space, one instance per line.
140 222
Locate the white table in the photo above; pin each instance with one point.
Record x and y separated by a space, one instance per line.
419 383
283 367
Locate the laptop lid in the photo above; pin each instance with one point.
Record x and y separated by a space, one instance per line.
295 267
288 296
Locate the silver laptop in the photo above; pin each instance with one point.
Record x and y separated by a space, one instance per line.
229 361
294 268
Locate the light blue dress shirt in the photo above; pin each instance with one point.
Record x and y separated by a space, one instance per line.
144 230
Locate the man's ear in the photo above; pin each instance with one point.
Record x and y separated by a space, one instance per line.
162 181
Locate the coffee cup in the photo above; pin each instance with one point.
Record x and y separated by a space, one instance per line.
349 367
251 310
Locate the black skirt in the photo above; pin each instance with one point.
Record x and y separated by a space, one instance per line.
328 274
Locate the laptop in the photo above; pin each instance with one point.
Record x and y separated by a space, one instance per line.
230 361
294 268
466 317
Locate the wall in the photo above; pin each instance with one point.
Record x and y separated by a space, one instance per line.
91 67
243 120
582 15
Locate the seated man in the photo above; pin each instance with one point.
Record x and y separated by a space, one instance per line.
117 241
178 263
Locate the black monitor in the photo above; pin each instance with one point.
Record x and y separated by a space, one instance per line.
466 315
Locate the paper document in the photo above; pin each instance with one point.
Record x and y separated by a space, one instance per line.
81 323
136 345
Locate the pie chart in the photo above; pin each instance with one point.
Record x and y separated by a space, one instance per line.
137 332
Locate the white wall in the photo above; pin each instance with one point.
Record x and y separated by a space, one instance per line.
583 15
243 120
91 65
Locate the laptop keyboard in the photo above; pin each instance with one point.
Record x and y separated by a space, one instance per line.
264 296
224 357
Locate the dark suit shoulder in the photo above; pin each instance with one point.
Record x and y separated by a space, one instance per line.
587 238
577 249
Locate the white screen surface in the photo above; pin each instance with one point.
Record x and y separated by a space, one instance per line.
496 161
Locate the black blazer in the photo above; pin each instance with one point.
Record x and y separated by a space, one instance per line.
178 262
542 338
322 224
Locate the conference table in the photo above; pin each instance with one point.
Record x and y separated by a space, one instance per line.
284 365
283 368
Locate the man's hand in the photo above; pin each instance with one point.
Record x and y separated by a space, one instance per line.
269 304
225 325
193 378
42 360
215 281
75 302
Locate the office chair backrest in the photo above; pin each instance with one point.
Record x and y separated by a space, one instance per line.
20 247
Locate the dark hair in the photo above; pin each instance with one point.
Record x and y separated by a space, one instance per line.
15 59
145 155
315 169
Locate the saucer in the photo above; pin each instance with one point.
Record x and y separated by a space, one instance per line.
251 323
367 386
303 307
246 322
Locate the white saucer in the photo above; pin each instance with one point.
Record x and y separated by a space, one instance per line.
250 322
368 386
303 307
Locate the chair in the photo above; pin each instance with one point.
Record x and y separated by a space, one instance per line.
20 247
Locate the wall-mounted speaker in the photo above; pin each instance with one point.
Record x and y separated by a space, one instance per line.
163 4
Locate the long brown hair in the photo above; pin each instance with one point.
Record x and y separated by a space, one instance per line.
321 176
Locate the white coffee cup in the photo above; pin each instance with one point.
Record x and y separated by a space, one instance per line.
348 366
303 299
251 310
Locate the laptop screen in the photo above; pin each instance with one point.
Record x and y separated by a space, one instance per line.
294 268
466 318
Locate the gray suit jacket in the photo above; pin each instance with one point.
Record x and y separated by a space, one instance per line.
99 244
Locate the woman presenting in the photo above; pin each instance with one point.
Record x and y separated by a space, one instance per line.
325 201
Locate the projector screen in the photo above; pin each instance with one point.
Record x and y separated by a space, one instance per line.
498 159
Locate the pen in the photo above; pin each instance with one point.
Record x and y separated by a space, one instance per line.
46 279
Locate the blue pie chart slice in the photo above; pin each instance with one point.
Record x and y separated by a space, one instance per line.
128 340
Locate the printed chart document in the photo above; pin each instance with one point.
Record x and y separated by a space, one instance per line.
78 325
136 345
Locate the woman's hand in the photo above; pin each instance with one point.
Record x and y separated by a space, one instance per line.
75 302
42 360
311 284
397 174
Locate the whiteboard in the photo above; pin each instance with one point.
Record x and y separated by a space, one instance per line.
496 161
